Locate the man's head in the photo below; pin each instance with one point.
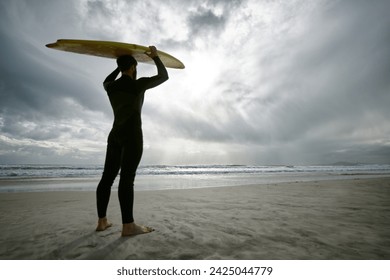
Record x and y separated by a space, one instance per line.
127 64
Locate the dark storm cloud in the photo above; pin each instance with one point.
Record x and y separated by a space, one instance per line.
338 70
204 21
44 101
32 89
36 87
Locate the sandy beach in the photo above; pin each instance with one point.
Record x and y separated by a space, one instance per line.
331 219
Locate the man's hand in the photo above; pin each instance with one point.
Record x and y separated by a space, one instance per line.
152 53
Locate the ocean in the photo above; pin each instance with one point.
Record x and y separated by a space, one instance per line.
25 171
37 177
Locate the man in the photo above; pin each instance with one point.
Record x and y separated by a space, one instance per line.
125 142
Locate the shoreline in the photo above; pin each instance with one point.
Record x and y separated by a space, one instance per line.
331 219
167 182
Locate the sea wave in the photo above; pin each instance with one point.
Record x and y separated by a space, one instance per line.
82 171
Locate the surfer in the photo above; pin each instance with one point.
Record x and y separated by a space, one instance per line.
125 141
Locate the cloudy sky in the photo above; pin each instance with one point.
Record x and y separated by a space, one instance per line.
266 82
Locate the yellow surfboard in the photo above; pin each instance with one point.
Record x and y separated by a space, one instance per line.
113 50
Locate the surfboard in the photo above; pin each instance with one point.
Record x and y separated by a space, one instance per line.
111 49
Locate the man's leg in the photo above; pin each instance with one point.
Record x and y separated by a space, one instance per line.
103 192
131 157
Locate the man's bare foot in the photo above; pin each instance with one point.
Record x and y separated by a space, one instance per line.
103 224
134 229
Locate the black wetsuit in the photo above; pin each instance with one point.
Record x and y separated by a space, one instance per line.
125 142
